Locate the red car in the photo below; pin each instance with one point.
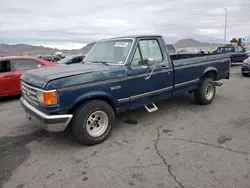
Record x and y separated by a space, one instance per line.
11 68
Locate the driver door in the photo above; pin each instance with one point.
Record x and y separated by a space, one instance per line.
150 75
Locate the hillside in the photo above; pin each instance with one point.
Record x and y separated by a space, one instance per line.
184 43
25 49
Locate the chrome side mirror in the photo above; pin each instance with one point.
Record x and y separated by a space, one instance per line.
150 62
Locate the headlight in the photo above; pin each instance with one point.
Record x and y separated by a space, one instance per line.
39 96
47 97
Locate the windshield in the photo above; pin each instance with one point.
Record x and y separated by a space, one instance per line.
113 51
64 60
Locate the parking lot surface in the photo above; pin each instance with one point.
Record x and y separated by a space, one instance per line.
182 145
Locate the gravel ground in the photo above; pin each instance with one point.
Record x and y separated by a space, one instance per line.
180 145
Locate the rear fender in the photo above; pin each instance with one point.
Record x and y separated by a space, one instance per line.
210 69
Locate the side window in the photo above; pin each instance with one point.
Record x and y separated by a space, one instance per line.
230 49
137 58
23 64
5 66
151 50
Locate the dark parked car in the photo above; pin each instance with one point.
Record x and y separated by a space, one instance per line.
48 58
71 59
245 68
237 53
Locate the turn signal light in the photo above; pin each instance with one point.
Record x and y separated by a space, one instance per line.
47 98
50 98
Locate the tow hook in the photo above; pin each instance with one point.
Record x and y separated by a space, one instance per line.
218 83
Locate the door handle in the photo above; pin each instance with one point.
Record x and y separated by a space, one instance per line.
164 66
8 76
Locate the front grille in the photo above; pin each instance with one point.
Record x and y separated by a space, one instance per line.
29 93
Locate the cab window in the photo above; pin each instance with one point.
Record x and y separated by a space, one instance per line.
137 57
150 49
147 50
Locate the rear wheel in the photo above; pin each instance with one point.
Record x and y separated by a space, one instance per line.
92 122
205 92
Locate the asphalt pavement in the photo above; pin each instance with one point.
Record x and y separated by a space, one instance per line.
182 145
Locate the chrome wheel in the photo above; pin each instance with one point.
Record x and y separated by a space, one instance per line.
97 123
209 91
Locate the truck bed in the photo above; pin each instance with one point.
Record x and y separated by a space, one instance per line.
186 59
192 66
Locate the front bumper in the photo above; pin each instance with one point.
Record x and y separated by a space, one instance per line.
245 69
51 123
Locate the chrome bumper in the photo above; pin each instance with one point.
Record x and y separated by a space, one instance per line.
51 123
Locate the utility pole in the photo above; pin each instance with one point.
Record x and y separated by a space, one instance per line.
225 32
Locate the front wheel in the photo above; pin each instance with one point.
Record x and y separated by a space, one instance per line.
92 122
205 92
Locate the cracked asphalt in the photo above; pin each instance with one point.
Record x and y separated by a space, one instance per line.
182 145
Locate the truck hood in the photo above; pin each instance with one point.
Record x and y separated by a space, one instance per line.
60 75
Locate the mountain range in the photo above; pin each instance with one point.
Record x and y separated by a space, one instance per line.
188 42
25 49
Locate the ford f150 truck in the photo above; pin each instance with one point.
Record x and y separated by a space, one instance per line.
117 75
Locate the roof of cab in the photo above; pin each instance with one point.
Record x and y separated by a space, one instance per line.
132 37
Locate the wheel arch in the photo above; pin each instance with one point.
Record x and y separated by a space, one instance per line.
95 96
210 72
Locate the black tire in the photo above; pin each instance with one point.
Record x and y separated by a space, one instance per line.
245 74
80 118
200 93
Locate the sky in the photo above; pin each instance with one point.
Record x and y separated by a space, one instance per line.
75 23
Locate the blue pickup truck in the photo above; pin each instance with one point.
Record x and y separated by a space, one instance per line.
237 53
117 75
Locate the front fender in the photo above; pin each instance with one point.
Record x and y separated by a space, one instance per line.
95 94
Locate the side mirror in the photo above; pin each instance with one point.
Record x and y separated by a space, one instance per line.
150 62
